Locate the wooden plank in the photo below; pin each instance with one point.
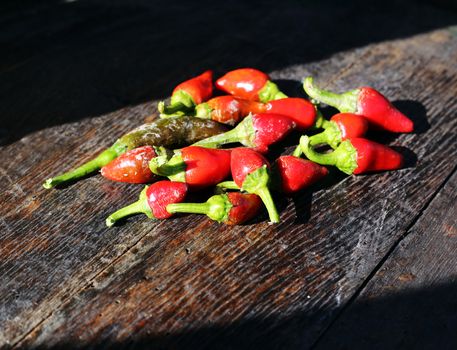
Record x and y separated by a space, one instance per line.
410 302
188 281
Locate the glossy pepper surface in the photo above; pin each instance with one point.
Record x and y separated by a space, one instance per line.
355 156
365 101
172 132
341 126
250 172
294 173
249 84
131 167
301 111
258 131
228 109
198 167
233 208
188 94
153 201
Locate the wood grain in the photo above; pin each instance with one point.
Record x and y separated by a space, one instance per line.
410 302
190 282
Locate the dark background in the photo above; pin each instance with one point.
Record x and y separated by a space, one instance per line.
64 61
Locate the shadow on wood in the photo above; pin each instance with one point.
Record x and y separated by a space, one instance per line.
413 319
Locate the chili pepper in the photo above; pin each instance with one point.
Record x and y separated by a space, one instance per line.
257 131
250 84
233 208
289 175
153 201
341 126
198 167
188 94
355 156
228 109
173 132
301 111
250 172
295 174
365 101
131 167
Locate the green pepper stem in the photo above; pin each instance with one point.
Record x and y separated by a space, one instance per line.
93 165
140 206
227 185
344 157
194 208
279 95
297 151
265 195
345 102
243 133
172 110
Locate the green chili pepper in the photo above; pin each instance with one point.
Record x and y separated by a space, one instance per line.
171 132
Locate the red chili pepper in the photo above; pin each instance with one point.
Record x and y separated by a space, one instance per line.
341 126
250 84
153 201
188 94
198 167
250 172
131 167
258 131
301 111
296 173
228 109
232 208
355 156
365 101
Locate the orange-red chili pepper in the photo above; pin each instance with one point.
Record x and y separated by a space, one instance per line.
250 84
295 174
233 208
355 156
258 131
153 201
228 109
364 101
188 94
341 126
198 167
131 167
250 172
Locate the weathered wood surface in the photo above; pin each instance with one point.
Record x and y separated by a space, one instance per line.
411 301
187 282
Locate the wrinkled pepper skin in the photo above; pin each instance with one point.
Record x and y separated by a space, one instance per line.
250 84
199 167
256 131
342 126
171 132
232 209
153 201
364 101
301 111
250 172
229 109
295 174
131 167
188 94
355 156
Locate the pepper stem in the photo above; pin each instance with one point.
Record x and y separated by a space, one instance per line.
226 185
164 164
344 157
270 92
243 133
140 206
216 208
345 102
93 165
331 135
257 183
180 103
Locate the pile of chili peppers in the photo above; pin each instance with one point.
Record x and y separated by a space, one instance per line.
182 151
